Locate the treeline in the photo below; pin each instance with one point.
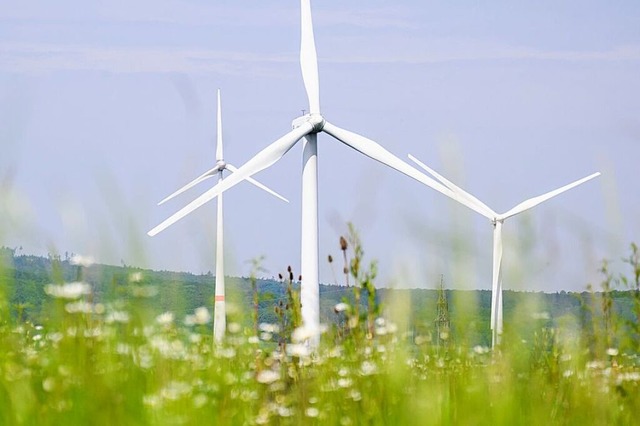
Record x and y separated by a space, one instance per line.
24 280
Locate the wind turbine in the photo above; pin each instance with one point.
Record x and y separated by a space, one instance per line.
306 128
497 220
219 311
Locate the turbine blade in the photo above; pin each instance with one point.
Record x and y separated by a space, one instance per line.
309 58
260 161
219 153
233 169
459 192
532 202
374 150
191 184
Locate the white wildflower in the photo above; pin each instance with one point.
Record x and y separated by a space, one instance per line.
234 328
480 349
300 350
79 307
93 332
335 352
175 390
367 368
266 336
353 322
253 340
269 328
201 316
135 277
199 400
312 412
632 376
267 376
165 318
151 400
117 316
49 384
123 349
55 337
340 307
284 411
263 418
302 334
80 260
345 421
344 382
227 353
595 365
68 291
612 352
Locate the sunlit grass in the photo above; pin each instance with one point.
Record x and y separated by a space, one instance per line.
117 362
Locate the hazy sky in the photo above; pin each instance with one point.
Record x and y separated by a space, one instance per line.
107 107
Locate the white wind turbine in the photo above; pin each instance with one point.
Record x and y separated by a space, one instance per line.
219 311
306 128
497 220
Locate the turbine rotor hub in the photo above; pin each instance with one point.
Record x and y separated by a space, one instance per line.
316 120
221 165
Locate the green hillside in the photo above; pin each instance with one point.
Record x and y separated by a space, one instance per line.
25 278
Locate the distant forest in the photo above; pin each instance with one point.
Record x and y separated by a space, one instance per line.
23 279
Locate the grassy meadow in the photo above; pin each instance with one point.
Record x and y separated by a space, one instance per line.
111 358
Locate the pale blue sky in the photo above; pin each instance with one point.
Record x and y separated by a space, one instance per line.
107 107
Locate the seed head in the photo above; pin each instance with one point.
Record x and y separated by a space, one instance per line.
343 244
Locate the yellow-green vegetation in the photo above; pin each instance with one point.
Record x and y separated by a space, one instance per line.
115 361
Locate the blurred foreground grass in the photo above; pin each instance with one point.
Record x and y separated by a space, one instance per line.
116 361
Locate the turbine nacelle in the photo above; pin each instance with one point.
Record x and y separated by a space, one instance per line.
317 122
221 165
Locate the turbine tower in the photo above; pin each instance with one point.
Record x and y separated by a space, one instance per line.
219 311
497 220
306 128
